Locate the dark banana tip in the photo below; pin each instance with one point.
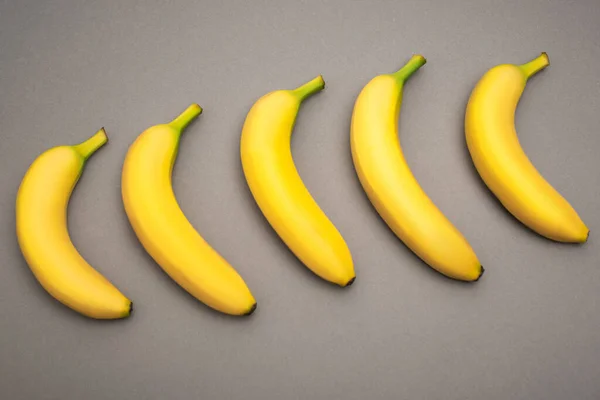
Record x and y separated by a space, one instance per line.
350 282
252 309
129 311
481 274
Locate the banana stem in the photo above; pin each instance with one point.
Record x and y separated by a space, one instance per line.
309 88
536 65
89 147
416 62
186 117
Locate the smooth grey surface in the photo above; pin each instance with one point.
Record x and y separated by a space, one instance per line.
528 330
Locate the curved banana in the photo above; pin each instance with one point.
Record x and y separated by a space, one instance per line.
502 163
42 233
391 186
279 190
163 229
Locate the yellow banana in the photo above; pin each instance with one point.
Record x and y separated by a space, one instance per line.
391 186
502 163
42 233
279 190
163 229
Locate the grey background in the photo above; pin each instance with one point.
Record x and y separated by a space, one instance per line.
527 330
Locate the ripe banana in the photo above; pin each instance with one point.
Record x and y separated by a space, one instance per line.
279 190
163 229
41 214
502 163
391 186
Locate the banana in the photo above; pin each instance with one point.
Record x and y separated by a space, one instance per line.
279 191
391 186
163 229
501 162
41 222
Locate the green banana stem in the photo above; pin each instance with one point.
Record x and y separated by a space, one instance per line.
536 65
416 62
309 88
89 147
186 117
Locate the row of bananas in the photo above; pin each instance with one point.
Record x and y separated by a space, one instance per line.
167 235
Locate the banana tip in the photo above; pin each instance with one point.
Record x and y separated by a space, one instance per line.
102 135
129 310
350 282
252 309
322 80
197 108
480 274
545 55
